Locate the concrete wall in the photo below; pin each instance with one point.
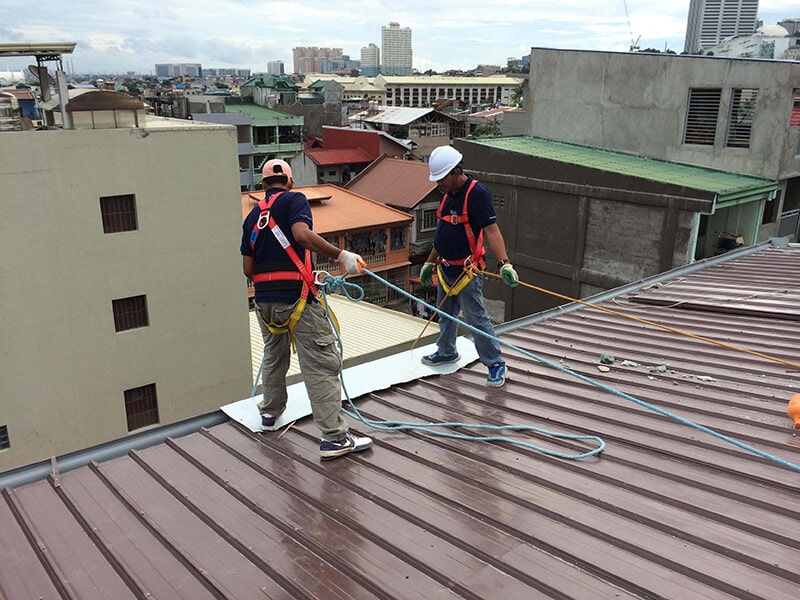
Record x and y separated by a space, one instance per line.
637 103
64 368
573 242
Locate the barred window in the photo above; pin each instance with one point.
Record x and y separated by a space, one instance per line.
794 120
701 116
428 219
740 121
5 443
130 313
119 213
141 406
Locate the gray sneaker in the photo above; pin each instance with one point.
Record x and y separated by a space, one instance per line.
350 443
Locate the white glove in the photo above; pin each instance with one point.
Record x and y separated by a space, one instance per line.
352 262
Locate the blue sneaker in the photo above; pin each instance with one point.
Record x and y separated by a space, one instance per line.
437 358
351 443
497 375
268 422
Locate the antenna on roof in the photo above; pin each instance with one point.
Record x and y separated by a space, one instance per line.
634 43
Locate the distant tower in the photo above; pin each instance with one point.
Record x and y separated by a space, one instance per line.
275 67
370 60
711 21
396 49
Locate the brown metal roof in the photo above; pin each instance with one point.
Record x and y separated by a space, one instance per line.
399 183
666 511
340 156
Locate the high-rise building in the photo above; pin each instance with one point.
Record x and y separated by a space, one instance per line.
396 49
308 59
275 67
370 60
711 21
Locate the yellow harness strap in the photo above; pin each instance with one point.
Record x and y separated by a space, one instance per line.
463 280
290 323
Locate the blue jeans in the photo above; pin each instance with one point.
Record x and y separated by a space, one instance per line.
470 300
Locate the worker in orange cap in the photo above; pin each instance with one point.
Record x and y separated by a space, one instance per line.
277 243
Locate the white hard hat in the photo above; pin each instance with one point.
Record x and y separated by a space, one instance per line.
443 160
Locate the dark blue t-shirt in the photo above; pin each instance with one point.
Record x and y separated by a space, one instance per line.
451 240
288 208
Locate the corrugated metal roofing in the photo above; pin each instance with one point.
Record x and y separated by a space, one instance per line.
358 321
729 186
397 115
666 511
396 182
335 209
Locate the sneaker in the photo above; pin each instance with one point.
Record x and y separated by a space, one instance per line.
437 358
351 443
497 375
268 422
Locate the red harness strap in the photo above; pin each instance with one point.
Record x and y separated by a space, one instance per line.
303 272
476 247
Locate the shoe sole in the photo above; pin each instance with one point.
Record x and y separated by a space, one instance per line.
430 363
496 383
331 454
266 429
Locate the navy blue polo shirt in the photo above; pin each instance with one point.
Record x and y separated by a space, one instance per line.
451 240
288 208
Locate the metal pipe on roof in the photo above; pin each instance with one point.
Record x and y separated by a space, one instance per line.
113 449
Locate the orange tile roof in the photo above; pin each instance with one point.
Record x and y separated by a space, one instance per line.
336 210
336 156
393 181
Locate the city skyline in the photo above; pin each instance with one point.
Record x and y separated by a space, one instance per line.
116 36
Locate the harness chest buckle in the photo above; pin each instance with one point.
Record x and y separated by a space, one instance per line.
263 220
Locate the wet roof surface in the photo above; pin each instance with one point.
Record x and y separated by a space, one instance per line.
666 511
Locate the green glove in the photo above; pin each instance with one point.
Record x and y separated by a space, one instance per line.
426 275
509 275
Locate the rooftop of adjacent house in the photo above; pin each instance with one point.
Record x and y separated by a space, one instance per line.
724 185
339 156
434 80
399 183
336 209
257 111
667 510
396 115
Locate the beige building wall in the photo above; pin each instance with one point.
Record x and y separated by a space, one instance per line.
64 368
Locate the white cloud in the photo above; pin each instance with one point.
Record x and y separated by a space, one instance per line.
126 35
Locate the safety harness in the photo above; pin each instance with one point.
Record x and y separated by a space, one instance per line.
473 263
266 277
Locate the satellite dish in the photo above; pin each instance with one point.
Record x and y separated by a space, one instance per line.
37 73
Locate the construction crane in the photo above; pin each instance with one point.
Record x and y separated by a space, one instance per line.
634 43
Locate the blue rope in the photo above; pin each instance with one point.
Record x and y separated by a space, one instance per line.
583 378
336 283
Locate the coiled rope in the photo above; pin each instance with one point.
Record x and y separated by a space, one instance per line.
332 283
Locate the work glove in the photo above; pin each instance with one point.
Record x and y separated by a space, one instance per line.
352 262
509 275
426 275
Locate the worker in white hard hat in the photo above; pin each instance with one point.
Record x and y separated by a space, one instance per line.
277 242
465 219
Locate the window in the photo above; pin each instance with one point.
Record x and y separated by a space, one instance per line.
701 116
141 406
5 444
428 219
398 238
794 121
130 313
771 210
119 213
740 122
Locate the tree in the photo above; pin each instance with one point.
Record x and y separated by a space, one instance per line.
518 96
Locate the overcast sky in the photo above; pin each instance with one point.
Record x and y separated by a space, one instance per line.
117 36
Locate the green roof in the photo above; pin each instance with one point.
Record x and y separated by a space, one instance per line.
263 113
272 82
729 187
